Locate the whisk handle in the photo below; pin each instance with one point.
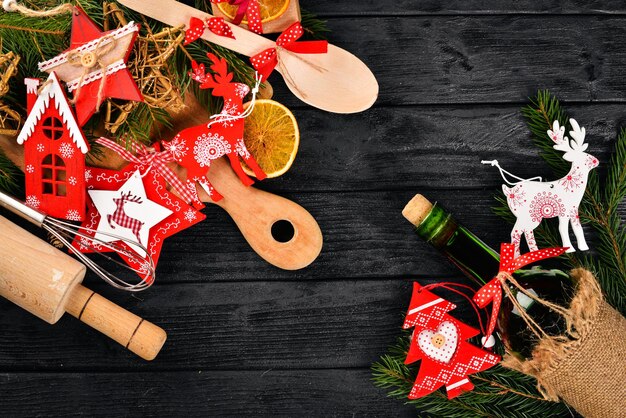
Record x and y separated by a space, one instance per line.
136 334
22 210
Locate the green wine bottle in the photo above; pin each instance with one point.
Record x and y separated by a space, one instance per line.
481 263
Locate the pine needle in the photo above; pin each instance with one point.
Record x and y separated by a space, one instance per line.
501 392
36 39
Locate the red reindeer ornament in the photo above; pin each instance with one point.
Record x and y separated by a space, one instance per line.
439 341
196 147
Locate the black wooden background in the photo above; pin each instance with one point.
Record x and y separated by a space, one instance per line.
246 338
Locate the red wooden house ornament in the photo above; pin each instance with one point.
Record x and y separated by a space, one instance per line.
54 148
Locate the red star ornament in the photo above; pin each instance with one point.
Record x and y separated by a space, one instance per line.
96 59
439 341
182 215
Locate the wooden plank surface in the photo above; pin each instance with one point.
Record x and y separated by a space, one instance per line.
434 147
201 393
248 339
221 326
485 59
332 8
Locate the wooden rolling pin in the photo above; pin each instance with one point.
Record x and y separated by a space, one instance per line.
46 282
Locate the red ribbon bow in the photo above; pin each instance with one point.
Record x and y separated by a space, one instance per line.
250 8
265 62
156 159
217 25
492 291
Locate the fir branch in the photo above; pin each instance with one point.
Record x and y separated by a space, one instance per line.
499 392
314 27
539 114
38 39
598 208
10 175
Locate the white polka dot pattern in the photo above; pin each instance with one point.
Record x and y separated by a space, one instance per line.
443 349
249 8
217 25
265 61
492 291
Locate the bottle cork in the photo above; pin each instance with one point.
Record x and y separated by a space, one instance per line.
417 209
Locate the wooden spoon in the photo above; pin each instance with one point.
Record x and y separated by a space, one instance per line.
254 211
336 81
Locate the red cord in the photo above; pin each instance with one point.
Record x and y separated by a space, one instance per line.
446 285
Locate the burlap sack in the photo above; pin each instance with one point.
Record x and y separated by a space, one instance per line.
586 368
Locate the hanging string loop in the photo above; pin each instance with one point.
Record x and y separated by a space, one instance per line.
504 173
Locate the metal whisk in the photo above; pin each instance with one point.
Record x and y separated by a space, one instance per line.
65 232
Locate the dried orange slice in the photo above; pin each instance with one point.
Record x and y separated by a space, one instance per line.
271 135
270 10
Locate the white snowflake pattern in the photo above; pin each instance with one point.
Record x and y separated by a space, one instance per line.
72 215
240 148
230 110
30 168
41 148
88 175
177 147
209 147
242 90
66 150
72 180
32 201
190 215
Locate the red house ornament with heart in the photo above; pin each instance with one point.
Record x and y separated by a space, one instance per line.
440 342
54 152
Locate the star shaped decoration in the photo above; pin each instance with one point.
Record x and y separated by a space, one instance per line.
149 213
94 67
128 213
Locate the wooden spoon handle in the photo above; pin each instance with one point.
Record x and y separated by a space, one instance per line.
255 212
177 14
136 334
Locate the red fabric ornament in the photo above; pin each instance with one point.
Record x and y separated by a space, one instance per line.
265 61
196 28
94 67
54 148
439 341
194 148
492 291
248 8
147 213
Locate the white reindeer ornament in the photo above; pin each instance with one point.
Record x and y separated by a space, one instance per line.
531 201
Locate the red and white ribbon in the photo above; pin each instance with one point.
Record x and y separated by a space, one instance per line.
492 291
155 159
196 28
248 8
265 61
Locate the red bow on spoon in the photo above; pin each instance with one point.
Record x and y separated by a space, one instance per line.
217 25
250 8
492 291
158 160
265 62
